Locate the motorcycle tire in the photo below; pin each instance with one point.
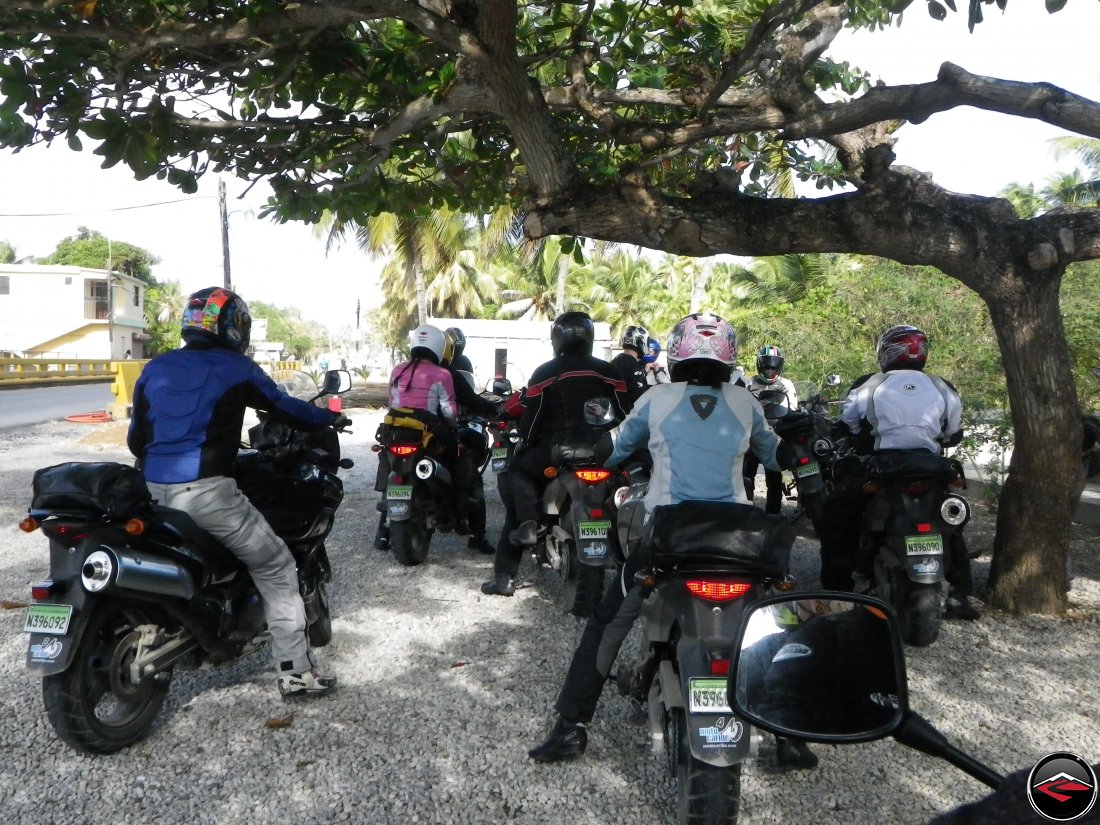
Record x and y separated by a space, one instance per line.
318 617
705 794
93 706
918 607
409 541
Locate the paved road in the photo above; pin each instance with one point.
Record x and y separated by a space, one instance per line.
35 405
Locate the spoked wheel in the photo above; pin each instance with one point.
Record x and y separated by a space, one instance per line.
318 616
95 706
706 794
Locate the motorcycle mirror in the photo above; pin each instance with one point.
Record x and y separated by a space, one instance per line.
832 380
500 386
337 382
775 403
598 411
827 666
820 666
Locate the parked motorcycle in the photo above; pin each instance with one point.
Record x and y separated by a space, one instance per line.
136 589
703 565
912 521
575 523
800 428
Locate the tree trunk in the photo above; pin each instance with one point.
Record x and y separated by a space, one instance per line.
1029 552
563 273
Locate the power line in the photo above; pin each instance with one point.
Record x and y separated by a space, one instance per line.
115 209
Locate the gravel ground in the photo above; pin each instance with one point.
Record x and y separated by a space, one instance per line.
443 690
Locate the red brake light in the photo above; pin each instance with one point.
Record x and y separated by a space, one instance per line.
403 449
916 488
718 591
719 667
43 591
592 476
596 512
803 460
924 527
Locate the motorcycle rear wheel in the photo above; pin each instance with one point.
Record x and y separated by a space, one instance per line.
918 607
94 706
582 585
409 541
319 627
706 794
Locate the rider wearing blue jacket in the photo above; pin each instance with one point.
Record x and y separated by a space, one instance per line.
698 430
185 430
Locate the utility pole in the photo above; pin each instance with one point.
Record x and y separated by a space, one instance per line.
228 281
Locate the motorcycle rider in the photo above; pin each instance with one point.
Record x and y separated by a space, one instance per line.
472 443
422 383
459 360
900 408
769 376
185 430
554 403
698 429
629 363
655 372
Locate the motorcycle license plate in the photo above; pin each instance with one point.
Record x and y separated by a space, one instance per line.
707 696
48 618
399 492
593 529
500 459
924 545
807 470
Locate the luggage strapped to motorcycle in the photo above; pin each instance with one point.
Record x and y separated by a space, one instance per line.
722 536
403 423
914 464
109 488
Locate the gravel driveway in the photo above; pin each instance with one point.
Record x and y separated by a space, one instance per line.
442 690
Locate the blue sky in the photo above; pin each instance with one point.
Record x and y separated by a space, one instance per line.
966 150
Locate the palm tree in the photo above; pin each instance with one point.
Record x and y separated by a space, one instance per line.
623 289
784 279
531 288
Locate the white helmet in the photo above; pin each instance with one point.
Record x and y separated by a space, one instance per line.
428 342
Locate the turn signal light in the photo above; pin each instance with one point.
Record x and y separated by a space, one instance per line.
403 449
592 476
718 591
550 472
28 525
135 527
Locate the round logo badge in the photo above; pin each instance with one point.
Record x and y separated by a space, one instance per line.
1061 787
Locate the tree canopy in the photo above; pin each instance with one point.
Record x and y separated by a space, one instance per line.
674 126
94 250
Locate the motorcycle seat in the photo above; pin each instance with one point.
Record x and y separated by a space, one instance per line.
197 543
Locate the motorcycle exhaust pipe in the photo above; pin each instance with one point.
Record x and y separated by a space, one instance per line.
430 470
135 571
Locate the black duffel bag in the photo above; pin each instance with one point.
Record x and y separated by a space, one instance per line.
113 489
718 532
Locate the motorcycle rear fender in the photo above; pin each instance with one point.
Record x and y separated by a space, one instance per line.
719 738
48 654
402 510
593 551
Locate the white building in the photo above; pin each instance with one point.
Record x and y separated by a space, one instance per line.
513 349
49 311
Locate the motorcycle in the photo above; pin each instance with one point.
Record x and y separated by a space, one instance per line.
800 428
702 565
420 495
504 432
912 520
136 589
829 639
574 522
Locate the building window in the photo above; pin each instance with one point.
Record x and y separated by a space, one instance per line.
68 280
5 285
96 304
137 295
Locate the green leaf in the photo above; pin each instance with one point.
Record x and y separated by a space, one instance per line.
1055 5
936 10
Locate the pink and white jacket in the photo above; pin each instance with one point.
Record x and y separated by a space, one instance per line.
424 386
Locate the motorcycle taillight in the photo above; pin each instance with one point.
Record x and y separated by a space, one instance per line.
593 475
916 488
63 532
403 449
717 591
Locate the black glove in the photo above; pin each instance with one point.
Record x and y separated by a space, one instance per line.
341 422
785 456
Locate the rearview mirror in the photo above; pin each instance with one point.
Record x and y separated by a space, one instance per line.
598 412
337 382
832 380
501 387
822 666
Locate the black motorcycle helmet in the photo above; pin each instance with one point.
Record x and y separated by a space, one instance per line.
218 315
571 333
458 338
